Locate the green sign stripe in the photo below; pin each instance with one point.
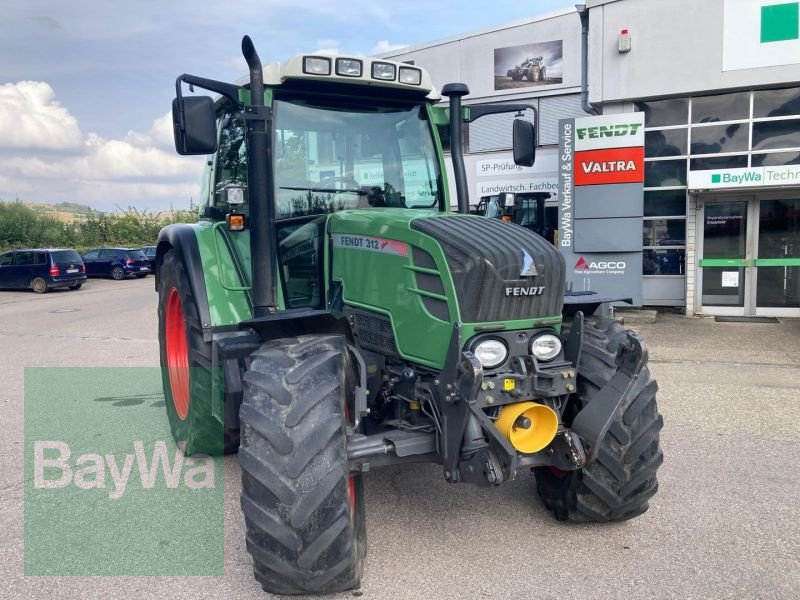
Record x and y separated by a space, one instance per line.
778 262
780 22
724 262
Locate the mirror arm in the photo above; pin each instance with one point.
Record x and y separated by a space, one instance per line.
481 110
226 90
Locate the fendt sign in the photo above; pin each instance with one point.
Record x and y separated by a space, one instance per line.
609 149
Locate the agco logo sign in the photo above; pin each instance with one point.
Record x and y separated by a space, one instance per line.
600 267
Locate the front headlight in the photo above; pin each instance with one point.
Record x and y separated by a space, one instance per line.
546 347
491 353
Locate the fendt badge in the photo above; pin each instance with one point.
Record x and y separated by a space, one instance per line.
525 291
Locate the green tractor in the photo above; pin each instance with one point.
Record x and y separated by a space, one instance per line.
330 315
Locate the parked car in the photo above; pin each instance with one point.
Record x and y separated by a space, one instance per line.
117 263
149 252
41 269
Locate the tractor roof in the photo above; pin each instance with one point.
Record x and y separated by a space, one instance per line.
350 70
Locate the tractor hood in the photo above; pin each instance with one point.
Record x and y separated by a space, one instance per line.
425 271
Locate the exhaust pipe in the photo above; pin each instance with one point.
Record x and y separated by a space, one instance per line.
529 426
261 194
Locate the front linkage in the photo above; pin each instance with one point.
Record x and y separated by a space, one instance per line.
463 402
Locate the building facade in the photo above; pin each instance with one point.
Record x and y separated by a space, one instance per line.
717 84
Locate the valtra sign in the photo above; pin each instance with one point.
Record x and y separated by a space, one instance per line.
618 165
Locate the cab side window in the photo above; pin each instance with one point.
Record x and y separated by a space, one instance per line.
231 167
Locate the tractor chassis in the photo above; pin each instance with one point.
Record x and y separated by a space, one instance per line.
458 395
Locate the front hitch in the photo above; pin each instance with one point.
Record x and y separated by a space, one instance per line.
592 423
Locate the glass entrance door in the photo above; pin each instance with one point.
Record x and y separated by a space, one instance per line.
725 263
778 260
750 257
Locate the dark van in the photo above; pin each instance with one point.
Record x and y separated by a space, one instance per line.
117 263
41 269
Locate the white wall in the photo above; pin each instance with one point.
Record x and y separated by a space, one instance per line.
676 50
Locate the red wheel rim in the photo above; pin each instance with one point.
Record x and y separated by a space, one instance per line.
351 492
177 354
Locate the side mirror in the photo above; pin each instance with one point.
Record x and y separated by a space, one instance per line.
524 143
194 124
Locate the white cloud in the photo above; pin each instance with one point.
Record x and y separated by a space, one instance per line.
31 118
328 46
385 46
53 161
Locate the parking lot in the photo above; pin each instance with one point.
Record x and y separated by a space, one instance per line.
725 523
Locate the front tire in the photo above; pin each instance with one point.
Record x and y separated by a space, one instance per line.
619 483
304 513
186 374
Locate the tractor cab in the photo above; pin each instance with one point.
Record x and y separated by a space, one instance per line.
527 210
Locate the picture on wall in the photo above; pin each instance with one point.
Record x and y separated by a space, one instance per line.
528 65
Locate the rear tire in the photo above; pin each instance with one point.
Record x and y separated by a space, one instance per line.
304 514
619 483
118 273
39 285
189 405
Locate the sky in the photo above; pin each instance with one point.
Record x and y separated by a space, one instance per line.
86 86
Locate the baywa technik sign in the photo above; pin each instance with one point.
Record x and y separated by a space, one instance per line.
528 65
740 178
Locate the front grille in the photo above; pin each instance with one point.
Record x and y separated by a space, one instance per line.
374 331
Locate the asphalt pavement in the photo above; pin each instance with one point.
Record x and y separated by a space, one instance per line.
724 524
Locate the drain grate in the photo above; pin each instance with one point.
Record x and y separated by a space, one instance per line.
746 320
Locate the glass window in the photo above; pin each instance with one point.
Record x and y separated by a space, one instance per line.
665 142
664 232
778 287
25 258
664 173
66 256
769 135
660 113
231 167
775 159
353 156
664 262
107 254
776 103
668 203
135 254
39 258
737 161
779 229
719 138
91 255
7 258
724 107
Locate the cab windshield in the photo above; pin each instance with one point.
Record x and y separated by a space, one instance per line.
355 156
